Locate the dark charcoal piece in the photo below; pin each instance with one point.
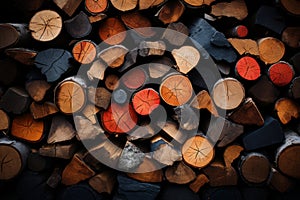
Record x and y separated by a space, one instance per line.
79 26
8 71
267 135
38 163
53 63
222 193
212 41
80 192
134 190
177 192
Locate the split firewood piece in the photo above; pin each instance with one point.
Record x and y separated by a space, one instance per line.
260 137
112 31
228 93
64 151
124 5
26 128
45 25
37 89
78 26
96 6
111 81
97 70
188 119
22 55
119 118
90 112
176 33
235 8
204 101
114 56
164 152
198 151
13 158
198 183
247 114
294 90
231 153
120 96
291 6
93 162
249 170
130 59
281 73
196 3
70 95
180 174
286 157
84 51
143 132
99 96
271 50
104 181
9 72
15 100
148 172
176 90
290 36
139 23
9 35
53 63
86 130
219 175
248 68
146 4
76 171
97 18
280 182
61 130
244 46
186 57
145 101
147 48
4 120
55 178
135 78
171 11
160 67
172 130
68 6
287 109
39 111
131 157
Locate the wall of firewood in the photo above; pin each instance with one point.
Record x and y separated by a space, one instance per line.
236 137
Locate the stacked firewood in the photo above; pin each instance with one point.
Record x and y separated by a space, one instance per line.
150 99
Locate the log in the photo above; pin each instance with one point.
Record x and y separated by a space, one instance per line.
134 79
79 26
160 67
97 18
25 128
280 182
4 120
114 56
45 25
196 3
9 72
147 48
84 51
176 90
197 151
177 192
22 55
244 46
55 178
204 101
68 6
176 33
294 90
291 7
186 57
228 93
99 96
124 5
180 174
146 4
111 81
267 135
145 101
171 129
247 114
271 50
15 100
120 96
104 182
38 163
96 70
37 89
287 109
235 8
112 31
247 68
86 130
188 119
63 151
171 12
198 183
90 112
231 153
281 73
239 31
143 132
13 34
13 158
96 6
290 36
130 158
40 111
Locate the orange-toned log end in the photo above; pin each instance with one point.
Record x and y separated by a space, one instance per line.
281 73
96 6
24 127
145 101
84 51
112 31
119 118
134 79
248 68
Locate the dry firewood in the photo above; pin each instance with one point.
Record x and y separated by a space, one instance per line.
287 109
90 111
4 120
68 6
145 101
84 51
78 26
99 96
55 178
96 6
135 78
231 153
244 46
104 181
124 5
280 182
111 81
271 50
176 33
96 70
247 68
146 4
97 18
37 89
22 55
112 31
171 129
290 36
39 111
235 8
198 183
196 3
147 48
171 12
180 174
160 67
204 101
114 56
186 57
86 130
294 60
281 73
130 158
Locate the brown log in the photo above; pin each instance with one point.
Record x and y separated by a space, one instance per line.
22 55
97 18
39 111
145 101
271 50
135 78
147 48
248 68
99 96
86 130
124 5
171 129
45 25
112 31
291 6
55 178
197 151
228 93
287 109
196 3
160 67
198 183
114 56
37 89
294 90
24 127
176 33
84 51
186 57
111 81
247 114
104 182
281 73
64 151
13 34
90 112
280 182
244 46
171 12
290 36
4 120
180 174
204 101
235 8
96 6
231 153
79 26
96 70
68 6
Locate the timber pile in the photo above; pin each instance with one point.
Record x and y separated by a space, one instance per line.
228 133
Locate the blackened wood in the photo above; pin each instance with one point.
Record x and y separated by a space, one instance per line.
222 193
38 163
9 71
80 191
287 109
269 134
22 55
294 90
177 192
290 36
39 111
187 117
78 26
10 35
64 151
68 6
55 178
295 61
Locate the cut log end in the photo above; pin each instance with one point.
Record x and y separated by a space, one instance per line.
112 31
248 68
96 6
271 50
145 101
281 73
84 51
